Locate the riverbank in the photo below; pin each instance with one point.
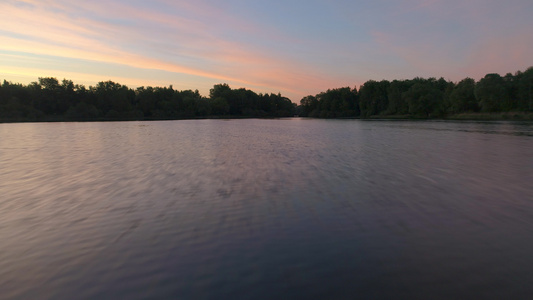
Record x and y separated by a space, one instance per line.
515 116
497 116
55 119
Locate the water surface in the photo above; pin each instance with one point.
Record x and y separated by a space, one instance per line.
266 209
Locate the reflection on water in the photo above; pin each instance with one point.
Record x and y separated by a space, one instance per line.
266 209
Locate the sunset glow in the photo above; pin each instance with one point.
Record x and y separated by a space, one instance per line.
279 46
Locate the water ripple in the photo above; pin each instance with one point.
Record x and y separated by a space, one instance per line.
266 209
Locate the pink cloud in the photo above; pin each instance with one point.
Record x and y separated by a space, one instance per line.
63 29
500 55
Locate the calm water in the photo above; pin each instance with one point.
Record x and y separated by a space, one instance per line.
266 209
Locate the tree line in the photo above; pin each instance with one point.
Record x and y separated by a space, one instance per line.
425 98
48 99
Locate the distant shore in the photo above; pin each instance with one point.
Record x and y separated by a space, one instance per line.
498 116
58 119
501 116
493 97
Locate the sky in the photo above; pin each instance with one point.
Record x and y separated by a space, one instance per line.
292 47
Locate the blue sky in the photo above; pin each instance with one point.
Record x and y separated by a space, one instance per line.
293 47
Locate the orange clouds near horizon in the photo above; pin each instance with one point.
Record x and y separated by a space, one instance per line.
267 47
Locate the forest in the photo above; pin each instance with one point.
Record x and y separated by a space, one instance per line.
425 98
51 100
48 99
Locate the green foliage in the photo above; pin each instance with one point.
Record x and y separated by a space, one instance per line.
427 98
335 103
423 99
50 99
309 106
243 102
16 103
491 93
463 98
525 90
113 97
219 106
373 97
82 111
397 102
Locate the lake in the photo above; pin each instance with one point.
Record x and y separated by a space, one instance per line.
266 209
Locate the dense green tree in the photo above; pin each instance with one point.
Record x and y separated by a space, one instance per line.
146 100
82 111
51 99
243 102
373 97
397 102
491 93
48 99
114 99
511 83
232 97
525 90
110 100
220 90
16 103
340 102
462 98
219 106
191 103
423 99
309 106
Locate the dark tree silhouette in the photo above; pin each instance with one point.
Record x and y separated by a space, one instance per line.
49 99
426 98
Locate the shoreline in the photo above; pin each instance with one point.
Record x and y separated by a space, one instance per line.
497 116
